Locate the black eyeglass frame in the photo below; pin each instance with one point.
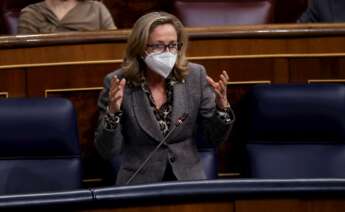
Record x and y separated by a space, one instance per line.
163 47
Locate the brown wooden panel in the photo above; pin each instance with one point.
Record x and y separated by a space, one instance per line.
246 69
183 207
266 205
13 82
239 205
3 95
304 69
61 54
60 77
266 47
288 205
325 205
281 70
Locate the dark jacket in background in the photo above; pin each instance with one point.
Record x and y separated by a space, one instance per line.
324 11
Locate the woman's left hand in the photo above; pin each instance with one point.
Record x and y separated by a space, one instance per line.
220 90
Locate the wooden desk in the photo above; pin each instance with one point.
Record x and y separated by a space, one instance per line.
300 195
73 65
242 195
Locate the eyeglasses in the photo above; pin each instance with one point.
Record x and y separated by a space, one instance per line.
160 47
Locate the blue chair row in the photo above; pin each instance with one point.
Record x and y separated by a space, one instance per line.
290 131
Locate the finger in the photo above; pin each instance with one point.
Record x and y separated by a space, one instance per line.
223 79
114 90
225 73
218 93
222 86
122 84
211 81
223 83
114 82
117 97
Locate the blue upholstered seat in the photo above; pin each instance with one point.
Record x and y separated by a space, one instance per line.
39 146
296 131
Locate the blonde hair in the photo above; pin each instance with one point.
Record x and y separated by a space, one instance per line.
133 64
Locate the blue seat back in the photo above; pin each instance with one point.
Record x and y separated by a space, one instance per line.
39 146
296 131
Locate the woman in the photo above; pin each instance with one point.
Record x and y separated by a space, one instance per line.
142 101
52 16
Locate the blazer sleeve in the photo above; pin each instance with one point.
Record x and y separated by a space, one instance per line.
216 129
108 142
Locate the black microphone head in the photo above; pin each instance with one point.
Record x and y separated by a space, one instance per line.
181 119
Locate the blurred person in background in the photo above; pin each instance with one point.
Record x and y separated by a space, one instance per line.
52 16
324 11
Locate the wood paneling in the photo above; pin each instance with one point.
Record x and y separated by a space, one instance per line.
63 77
304 69
3 94
186 207
289 205
58 55
240 69
13 82
267 205
325 205
240 205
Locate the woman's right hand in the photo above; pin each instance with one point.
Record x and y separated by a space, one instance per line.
116 92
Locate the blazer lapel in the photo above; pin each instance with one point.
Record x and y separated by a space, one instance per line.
145 116
180 106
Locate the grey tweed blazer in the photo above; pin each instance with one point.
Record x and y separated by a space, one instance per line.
138 133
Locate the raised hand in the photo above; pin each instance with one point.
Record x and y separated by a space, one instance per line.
116 92
220 90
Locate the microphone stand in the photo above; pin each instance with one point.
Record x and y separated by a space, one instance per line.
177 124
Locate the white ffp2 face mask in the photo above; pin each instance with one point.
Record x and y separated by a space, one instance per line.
161 63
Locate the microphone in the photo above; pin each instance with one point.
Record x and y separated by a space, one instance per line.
178 123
